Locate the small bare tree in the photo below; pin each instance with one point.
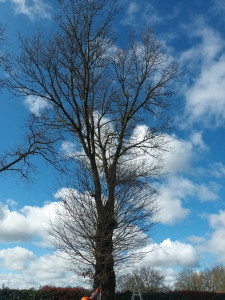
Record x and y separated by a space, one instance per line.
110 102
152 280
148 278
190 280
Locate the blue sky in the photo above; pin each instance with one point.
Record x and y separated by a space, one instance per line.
191 227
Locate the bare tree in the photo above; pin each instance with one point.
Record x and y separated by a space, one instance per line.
210 279
148 278
214 279
189 280
152 280
110 102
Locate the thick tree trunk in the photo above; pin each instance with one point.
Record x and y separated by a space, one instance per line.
105 276
104 268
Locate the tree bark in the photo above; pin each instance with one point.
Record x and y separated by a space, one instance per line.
104 268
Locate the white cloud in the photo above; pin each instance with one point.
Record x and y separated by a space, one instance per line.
2 212
25 224
33 9
214 242
170 201
206 99
165 257
179 159
175 191
170 276
16 258
35 104
218 169
205 94
183 153
198 142
11 203
196 239
134 11
29 225
33 271
136 16
207 192
69 149
169 254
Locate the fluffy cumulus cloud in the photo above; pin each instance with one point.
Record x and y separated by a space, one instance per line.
175 191
22 267
25 224
164 257
32 9
16 258
171 207
26 270
169 254
178 189
205 95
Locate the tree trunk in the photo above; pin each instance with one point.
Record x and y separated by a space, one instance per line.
104 268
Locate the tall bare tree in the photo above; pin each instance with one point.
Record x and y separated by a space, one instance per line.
111 103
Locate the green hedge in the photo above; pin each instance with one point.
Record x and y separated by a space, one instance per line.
177 295
45 293
7 294
54 293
